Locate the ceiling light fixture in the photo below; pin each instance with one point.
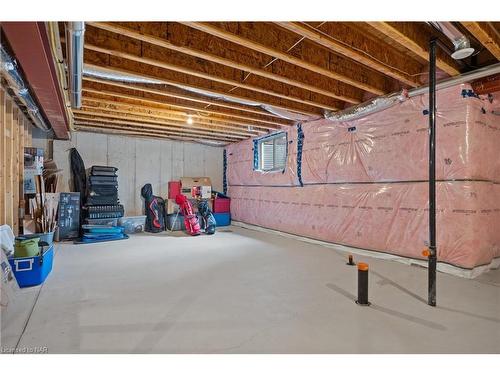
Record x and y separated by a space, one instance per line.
189 120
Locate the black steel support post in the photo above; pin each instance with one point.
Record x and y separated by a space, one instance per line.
431 300
363 284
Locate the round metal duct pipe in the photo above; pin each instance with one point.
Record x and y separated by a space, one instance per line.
75 34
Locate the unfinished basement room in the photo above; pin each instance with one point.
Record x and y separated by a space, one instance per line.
249 186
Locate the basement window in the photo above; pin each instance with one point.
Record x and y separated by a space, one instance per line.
271 153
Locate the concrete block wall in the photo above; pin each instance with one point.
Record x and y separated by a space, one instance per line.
139 161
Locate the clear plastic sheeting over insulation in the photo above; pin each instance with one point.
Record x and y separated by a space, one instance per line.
383 102
365 181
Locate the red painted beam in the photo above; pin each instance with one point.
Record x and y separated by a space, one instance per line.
30 44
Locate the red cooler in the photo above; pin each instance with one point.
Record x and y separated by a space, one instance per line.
222 205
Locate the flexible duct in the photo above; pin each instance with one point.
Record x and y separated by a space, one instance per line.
75 32
10 71
389 100
111 75
94 71
287 114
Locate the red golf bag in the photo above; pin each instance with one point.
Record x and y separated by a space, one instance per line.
190 219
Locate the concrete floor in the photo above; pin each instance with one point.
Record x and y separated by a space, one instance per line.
244 291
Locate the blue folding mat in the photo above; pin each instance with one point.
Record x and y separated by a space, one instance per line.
101 233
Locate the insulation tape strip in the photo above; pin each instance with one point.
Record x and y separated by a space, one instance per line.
300 144
224 172
255 154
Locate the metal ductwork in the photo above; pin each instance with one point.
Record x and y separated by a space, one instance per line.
10 71
75 33
461 43
94 71
99 72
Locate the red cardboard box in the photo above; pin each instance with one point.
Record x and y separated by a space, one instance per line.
222 205
174 188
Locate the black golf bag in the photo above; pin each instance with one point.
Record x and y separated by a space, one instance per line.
154 210
208 221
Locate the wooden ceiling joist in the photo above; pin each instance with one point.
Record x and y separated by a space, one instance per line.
199 48
185 65
353 75
107 130
486 34
131 64
360 48
167 113
144 131
228 81
414 37
126 133
153 123
142 126
256 113
130 99
181 119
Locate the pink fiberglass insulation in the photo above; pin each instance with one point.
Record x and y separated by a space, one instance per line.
365 181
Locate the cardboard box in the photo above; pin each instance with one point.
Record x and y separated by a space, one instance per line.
196 187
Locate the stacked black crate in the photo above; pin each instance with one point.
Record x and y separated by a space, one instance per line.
102 205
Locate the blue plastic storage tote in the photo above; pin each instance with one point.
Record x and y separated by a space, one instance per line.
31 271
222 218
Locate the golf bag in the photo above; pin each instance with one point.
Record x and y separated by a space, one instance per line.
190 219
208 219
154 210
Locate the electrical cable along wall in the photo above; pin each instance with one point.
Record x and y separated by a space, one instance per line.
365 182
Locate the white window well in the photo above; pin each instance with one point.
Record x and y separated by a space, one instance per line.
272 152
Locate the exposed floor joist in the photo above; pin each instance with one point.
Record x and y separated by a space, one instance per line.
361 49
200 51
156 104
151 69
95 122
362 81
169 114
152 122
240 78
141 131
254 112
486 34
412 36
171 120
185 65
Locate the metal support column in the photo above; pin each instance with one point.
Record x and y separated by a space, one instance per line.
432 175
